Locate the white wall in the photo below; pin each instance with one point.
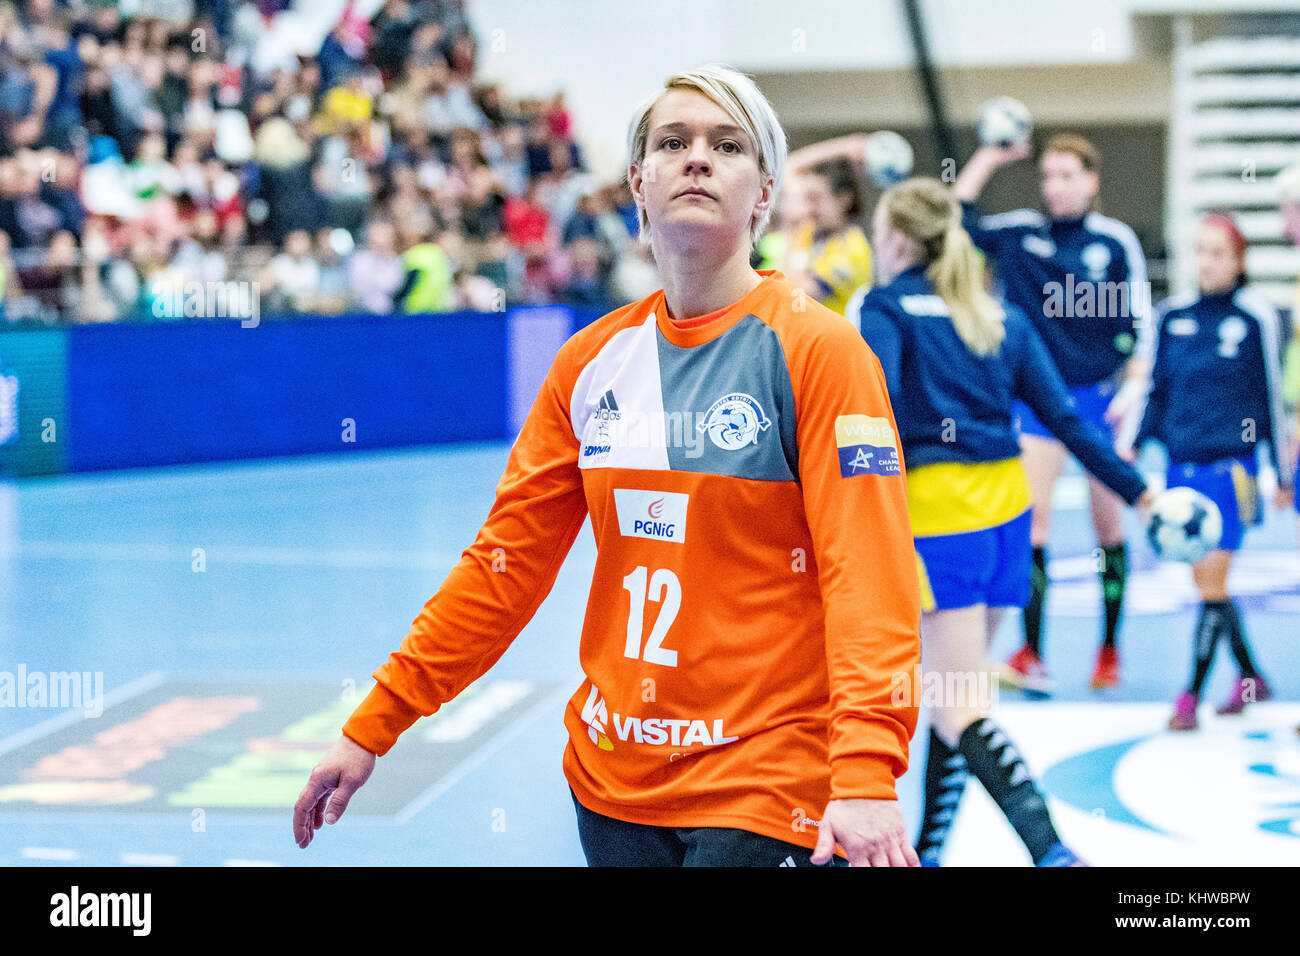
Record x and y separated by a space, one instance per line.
608 54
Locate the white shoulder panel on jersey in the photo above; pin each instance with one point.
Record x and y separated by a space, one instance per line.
853 310
617 408
1139 293
1010 220
1270 334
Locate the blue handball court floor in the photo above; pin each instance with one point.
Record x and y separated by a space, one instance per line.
180 645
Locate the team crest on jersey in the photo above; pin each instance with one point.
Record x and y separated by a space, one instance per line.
1039 246
1096 258
1181 326
866 445
1231 331
734 421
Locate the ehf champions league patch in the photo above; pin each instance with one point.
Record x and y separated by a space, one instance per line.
866 445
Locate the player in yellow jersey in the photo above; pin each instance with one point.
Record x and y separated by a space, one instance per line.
827 252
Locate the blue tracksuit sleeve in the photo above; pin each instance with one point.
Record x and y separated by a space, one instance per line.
1040 386
986 240
1153 414
883 337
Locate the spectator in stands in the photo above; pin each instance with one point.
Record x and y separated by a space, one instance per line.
449 103
292 276
427 284
343 179
230 146
332 294
471 181
10 287
586 285
375 273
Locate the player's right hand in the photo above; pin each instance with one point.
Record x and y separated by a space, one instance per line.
998 156
333 781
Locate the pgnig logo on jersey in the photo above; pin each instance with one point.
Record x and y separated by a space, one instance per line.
658 515
734 421
866 445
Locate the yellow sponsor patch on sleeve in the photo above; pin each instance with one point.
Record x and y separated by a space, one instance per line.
866 445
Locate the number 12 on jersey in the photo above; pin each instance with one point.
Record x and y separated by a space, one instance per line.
665 589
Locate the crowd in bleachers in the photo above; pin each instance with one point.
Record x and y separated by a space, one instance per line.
381 174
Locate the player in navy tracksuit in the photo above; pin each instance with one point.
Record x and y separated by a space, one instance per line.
954 361
1081 278
1216 392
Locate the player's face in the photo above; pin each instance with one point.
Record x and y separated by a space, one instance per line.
1217 265
824 209
1068 188
699 179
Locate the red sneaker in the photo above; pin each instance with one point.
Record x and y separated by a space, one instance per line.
1106 673
1025 670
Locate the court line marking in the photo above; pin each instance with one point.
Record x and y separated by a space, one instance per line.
479 757
48 853
58 722
150 859
238 862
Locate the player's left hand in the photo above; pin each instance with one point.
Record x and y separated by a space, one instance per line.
1126 400
871 832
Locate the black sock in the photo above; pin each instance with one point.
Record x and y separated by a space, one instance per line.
945 779
1210 624
993 761
1114 575
1237 640
1037 598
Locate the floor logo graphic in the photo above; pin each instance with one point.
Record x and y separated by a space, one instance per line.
245 747
1125 791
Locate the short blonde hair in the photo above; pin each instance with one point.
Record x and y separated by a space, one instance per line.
1077 146
740 98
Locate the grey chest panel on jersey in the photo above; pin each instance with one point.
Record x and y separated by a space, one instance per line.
735 394
723 408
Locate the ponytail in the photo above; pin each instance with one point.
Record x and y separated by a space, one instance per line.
957 273
926 212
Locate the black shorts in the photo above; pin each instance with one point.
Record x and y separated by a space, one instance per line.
610 842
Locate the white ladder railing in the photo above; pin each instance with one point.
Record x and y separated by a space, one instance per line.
1235 125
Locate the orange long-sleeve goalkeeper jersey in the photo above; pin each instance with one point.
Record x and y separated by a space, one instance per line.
751 637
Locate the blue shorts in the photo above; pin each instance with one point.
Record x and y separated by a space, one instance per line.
1090 401
992 567
1231 485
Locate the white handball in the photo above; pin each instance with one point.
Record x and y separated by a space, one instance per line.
1004 122
1185 525
889 158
